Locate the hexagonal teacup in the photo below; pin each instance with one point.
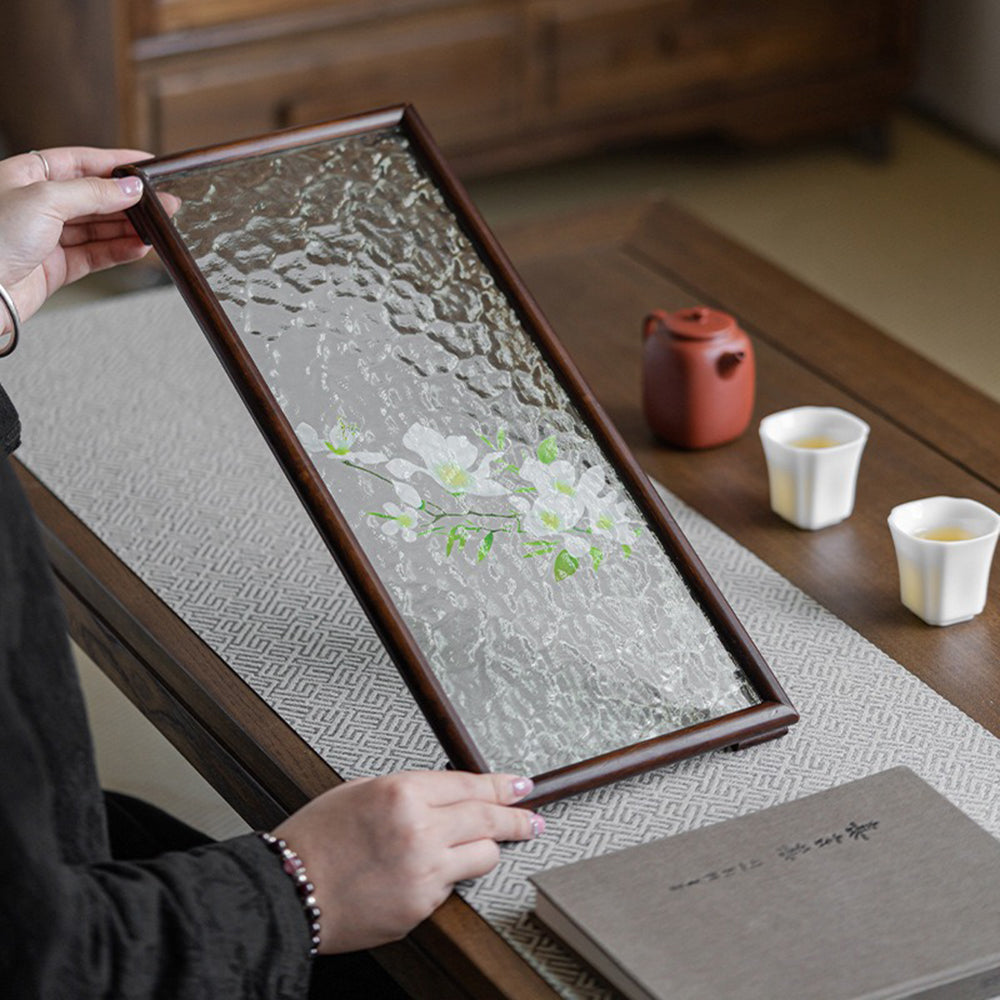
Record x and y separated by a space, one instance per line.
813 454
944 548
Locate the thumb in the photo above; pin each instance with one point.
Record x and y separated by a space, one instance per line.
84 196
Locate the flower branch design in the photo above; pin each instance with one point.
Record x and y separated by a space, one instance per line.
543 505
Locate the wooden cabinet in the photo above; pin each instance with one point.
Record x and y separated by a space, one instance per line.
501 83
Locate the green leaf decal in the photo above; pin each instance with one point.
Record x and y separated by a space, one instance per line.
484 547
565 565
540 548
501 438
596 556
627 550
455 535
547 451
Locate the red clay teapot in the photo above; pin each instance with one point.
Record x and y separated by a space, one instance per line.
697 377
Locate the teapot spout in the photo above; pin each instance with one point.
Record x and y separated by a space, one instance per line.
656 320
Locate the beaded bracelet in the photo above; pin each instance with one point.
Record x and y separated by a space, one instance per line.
293 866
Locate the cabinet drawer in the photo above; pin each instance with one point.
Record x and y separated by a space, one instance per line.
463 73
607 54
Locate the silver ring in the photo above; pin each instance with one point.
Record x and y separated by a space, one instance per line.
45 163
9 341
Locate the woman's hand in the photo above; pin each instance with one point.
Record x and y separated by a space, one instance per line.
384 853
56 230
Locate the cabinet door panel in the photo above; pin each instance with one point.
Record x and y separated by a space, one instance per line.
606 54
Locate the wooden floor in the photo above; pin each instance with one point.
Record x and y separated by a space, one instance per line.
911 244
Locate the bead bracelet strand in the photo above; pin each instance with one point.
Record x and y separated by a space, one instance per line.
296 870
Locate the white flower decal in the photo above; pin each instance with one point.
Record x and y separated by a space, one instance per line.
610 518
342 437
556 506
338 443
407 494
400 520
448 461
560 501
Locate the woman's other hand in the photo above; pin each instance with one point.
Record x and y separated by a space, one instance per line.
384 853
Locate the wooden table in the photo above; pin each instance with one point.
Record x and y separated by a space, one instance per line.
595 276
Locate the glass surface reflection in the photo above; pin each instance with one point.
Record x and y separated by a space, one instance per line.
546 608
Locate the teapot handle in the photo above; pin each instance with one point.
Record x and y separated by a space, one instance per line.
729 362
656 320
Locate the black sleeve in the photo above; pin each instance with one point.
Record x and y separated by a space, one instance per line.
222 921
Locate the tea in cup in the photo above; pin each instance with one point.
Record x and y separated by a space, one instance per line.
813 454
944 549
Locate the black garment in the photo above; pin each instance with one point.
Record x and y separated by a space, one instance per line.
217 921
10 424
108 896
140 830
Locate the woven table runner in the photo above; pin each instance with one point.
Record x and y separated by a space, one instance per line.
131 421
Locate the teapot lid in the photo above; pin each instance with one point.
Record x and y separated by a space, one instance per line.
700 323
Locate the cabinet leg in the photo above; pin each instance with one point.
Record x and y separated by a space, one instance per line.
872 140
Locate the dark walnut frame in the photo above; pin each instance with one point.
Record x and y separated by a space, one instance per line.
767 720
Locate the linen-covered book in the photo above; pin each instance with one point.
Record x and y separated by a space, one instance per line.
879 888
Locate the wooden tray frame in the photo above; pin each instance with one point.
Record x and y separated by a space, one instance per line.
767 720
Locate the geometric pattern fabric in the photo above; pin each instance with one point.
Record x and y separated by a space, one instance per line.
128 417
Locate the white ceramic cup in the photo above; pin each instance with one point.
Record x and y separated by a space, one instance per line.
813 454
942 581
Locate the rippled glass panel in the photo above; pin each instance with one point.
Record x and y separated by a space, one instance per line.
545 606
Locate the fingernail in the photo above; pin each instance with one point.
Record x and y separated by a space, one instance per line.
537 825
130 186
521 786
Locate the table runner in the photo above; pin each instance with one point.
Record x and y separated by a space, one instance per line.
131 421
